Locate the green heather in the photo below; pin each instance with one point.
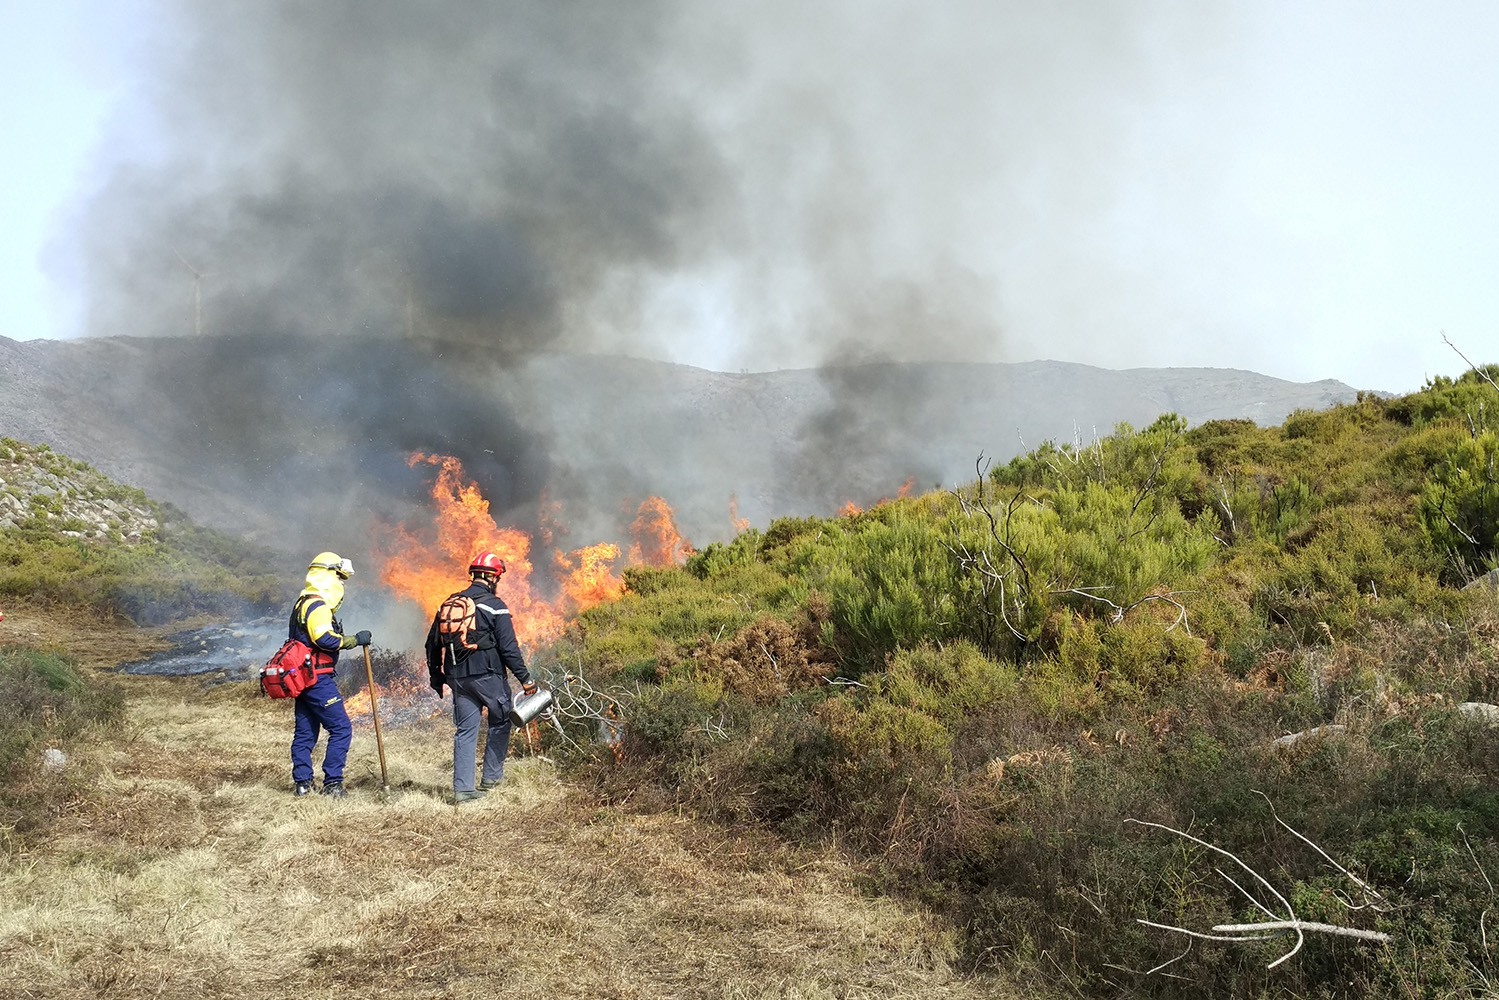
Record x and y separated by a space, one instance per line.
976 691
1002 700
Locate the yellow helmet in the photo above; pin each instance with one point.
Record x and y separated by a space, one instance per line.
333 561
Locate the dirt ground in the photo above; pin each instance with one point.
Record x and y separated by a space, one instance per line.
188 870
101 643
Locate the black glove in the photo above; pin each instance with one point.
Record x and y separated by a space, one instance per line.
362 637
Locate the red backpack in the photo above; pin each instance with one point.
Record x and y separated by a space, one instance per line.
289 672
296 665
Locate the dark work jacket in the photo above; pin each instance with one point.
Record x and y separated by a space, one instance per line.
493 632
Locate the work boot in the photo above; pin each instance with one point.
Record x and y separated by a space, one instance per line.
334 790
488 786
461 797
303 788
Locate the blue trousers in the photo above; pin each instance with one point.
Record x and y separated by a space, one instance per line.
321 707
488 693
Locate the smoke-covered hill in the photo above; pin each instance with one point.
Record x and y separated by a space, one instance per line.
296 441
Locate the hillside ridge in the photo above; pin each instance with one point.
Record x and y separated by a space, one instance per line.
290 441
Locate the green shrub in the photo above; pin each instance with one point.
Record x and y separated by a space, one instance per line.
45 702
669 723
1460 505
1470 396
946 682
1110 632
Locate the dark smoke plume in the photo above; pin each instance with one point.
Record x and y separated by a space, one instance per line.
467 187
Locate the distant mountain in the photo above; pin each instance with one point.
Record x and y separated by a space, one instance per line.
298 441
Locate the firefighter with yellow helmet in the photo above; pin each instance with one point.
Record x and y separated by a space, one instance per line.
314 621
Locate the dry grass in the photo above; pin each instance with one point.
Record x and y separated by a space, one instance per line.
191 872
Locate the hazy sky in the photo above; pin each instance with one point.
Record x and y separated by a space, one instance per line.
1301 189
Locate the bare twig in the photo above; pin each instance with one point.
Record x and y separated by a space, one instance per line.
1479 371
1483 931
1200 935
1246 893
1121 610
1325 856
1158 968
1148 488
1258 931
1225 504
1442 509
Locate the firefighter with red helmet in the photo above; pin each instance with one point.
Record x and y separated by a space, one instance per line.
314 621
470 646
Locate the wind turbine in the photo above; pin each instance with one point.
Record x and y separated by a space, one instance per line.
198 277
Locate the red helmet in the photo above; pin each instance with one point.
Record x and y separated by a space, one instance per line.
487 562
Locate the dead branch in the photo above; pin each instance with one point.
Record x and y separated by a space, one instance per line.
993 578
1302 925
1365 886
1200 935
1005 614
1483 931
1277 923
1479 371
1225 504
1148 488
1442 509
1119 611
718 731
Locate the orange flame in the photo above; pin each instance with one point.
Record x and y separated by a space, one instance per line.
741 524
657 541
588 576
399 692
426 571
851 509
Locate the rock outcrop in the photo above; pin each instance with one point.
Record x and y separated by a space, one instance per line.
42 488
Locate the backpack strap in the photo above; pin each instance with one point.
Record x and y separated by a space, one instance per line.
322 662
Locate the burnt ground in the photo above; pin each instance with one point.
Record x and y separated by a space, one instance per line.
99 643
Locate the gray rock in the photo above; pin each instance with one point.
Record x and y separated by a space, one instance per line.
1489 581
1316 732
1481 711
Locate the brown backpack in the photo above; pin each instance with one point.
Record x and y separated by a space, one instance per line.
455 620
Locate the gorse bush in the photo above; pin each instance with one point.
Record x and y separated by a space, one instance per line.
1460 504
45 702
977 690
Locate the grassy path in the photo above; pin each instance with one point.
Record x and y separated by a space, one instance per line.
191 872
